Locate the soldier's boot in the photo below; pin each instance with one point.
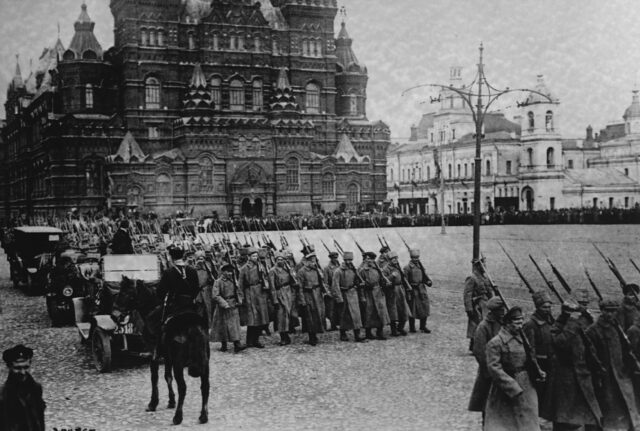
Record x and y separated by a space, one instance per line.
394 329
250 340
284 339
256 338
423 326
237 347
357 337
380 335
400 328
313 339
412 325
369 334
343 336
223 346
266 330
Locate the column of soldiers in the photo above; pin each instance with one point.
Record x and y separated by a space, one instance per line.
588 371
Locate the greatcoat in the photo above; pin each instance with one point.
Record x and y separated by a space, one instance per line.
628 312
204 300
477 291
21 405
311 300
283 294
616 393
572 399
344 279
397 305
226 317
488 328
538 331
255 309
513 402
376 314
419 303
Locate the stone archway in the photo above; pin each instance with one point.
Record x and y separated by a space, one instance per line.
257 207
527 196
246 208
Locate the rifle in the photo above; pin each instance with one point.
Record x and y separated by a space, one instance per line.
534 368
515 266
593 285
612 266
358 245
634 265
338 246
546 280
559 276
428 281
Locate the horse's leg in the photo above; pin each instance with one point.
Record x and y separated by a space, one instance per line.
154 386
178 373
168 377
204 390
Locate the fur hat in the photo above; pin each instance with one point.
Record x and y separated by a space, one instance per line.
629 287
495 303
581 295
369 254
333 255
392 254
541 297
251 250
384 249
347 255
414 252
227 267
512 314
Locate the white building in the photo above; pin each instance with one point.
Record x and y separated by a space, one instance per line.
526 164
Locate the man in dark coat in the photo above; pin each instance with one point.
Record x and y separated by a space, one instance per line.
255 290
346 284
121 242
395 296
376 313
477 291
629 310
225 324
488 328
332 308
21 404
419 299
310 298
615 391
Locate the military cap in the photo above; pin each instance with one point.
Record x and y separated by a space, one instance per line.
227 267
124 224
392 254
414 252
176 252
630 287
199 254
17 353
333 254
384 249
288 253
495 303
243 251
307 249
348 255
609 304
540 297
512 314
252 250
279 255
581 295
309 254
369 254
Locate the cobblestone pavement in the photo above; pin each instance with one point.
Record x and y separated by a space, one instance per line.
418 382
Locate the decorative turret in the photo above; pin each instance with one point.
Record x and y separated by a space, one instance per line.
84 44
197 100
351 78
632 116
539 113
17 81
283 101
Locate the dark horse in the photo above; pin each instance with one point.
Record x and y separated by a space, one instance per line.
182 340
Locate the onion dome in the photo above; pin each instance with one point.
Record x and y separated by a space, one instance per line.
540 87
633 111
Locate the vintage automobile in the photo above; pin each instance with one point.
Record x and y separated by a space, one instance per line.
110 329
31 263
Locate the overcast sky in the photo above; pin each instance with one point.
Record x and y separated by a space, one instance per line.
587 50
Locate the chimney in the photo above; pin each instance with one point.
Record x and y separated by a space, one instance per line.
414 133
589 133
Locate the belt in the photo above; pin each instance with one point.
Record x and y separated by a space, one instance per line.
284 285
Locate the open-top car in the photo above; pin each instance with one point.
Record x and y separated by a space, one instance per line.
33 251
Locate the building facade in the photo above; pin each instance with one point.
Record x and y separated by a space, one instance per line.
526 163
240 107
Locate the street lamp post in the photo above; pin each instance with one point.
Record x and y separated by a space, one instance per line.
478 108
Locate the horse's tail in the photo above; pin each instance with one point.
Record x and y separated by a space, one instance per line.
198 351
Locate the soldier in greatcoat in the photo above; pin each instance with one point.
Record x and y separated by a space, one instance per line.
228 297
346 282
488 328
629 310
419 298
477 291
311 298
615 391
283 291
255 293
513 402
203 300
331 306
538 331
571 401
384 257
377 315
397 306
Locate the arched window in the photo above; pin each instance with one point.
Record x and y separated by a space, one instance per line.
450 170
312 98
241 43
532 122
143 37
488 170
391 174
274 47
216 94
232 42
548 121
318 48
550 161
206 172
89 54
293 174
329 186
258 102
353 104
257 44
192 41
88 177
353 196
459 171
160 37
152 37
152 93
88 96
428 172
530 156
164 189
236 95
134 197
305 47
466 173
216 41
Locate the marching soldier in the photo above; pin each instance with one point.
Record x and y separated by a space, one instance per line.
331 306
310 297
477 291
345 283
419 298
629 311
397 305
615 391
538 331
377 315
283 284
255 293
488 328
384 258
226 317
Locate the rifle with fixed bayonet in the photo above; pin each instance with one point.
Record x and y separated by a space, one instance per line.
559 276
546 280
515 266
425 278
612 266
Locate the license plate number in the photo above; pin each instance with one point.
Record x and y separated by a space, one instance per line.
127 328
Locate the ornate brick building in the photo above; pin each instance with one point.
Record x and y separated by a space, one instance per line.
235 106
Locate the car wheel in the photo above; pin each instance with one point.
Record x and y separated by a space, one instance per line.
101 350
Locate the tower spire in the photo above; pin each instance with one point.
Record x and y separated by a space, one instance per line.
17 76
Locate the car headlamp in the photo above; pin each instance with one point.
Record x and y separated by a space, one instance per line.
67 291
